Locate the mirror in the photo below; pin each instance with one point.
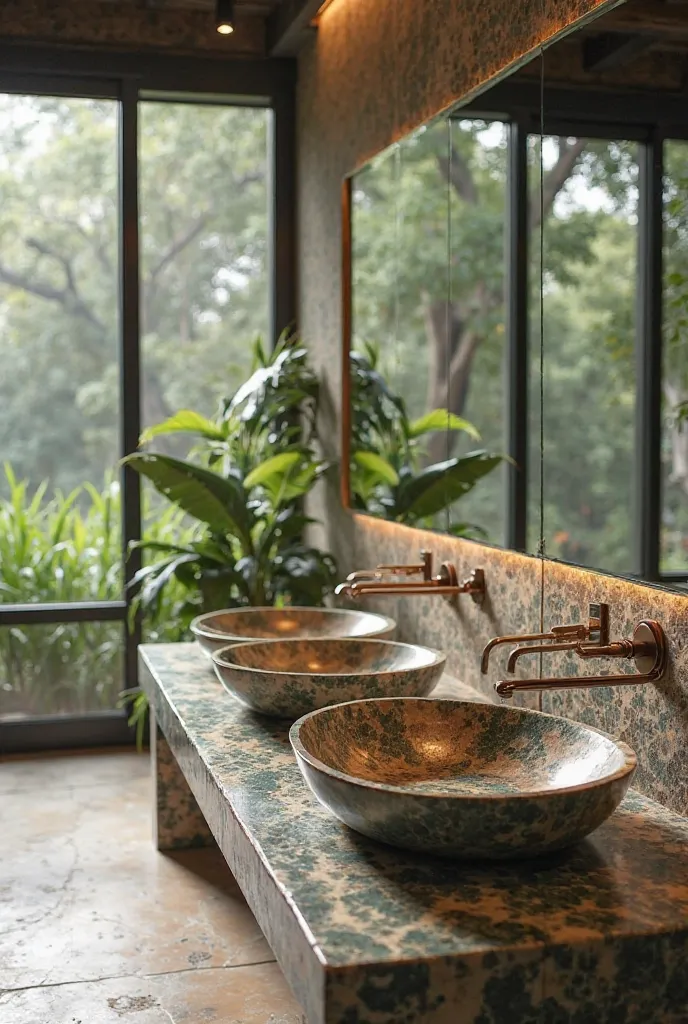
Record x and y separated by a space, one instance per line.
580 156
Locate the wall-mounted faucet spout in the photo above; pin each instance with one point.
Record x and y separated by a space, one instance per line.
375 582
596 630
647 648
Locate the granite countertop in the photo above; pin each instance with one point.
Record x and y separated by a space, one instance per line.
370 935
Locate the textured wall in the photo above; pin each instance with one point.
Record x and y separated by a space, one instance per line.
378 69
126 25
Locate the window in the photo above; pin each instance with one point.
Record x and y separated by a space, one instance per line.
109 196
204 252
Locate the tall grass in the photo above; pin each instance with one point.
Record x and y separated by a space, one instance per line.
68 548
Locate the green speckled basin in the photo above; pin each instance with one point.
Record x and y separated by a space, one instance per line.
215 630
287 678
461 779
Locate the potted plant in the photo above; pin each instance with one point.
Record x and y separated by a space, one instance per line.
243 487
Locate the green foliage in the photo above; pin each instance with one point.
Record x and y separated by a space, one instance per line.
388 476
428 254
68 548
204 280
255 463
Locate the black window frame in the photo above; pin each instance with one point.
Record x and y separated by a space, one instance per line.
130 78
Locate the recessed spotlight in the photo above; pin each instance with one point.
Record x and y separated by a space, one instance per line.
224 17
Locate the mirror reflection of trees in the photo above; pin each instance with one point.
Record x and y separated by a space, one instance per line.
590 261
427 289
428 282
674 538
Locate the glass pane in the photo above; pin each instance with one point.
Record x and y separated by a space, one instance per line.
590 261
204 254
59 405
477 351
427 312
674 537
377 285
65 669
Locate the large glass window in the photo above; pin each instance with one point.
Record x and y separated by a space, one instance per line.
59 393
60 669
205 184
204 253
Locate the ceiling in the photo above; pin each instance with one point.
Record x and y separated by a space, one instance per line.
642 44
287 21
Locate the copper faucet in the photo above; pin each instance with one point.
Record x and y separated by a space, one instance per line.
596 630
647 648
446 583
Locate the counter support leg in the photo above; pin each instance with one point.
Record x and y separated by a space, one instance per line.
177 820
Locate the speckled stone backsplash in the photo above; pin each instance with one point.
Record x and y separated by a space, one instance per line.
652 718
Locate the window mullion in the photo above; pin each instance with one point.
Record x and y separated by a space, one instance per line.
517 336
649 328
130 363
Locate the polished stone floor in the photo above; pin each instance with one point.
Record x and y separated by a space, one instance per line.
97 927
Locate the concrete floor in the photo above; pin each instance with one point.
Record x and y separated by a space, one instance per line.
97 927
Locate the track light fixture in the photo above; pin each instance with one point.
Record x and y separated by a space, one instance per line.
224 16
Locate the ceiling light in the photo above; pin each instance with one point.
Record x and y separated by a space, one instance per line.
224 16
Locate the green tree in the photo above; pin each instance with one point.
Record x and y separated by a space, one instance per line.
203 229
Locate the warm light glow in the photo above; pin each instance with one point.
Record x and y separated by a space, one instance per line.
225 29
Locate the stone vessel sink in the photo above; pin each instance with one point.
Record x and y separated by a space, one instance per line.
215 630
288 678
461 779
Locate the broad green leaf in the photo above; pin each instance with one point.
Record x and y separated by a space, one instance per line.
218 501
375 464
438 486
186 421
441 419
277 465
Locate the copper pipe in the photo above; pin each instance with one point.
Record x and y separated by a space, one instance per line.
518 652
507 687
445 584
596 629
575 632
402 589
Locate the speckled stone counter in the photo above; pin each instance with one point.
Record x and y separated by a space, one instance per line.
369 935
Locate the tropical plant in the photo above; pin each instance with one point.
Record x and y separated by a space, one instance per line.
388 474
255 462
63 548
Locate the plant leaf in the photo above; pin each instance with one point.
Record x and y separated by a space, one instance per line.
186 421
434 488
374 463
218 501
277 465
438 420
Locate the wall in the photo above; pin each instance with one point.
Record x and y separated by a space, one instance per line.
377 69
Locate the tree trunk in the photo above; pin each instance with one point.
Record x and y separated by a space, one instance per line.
679 438
452 348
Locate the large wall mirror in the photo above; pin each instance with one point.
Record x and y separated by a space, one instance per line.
558 199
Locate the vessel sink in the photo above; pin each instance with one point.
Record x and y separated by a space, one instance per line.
287 678
215 630
461 779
